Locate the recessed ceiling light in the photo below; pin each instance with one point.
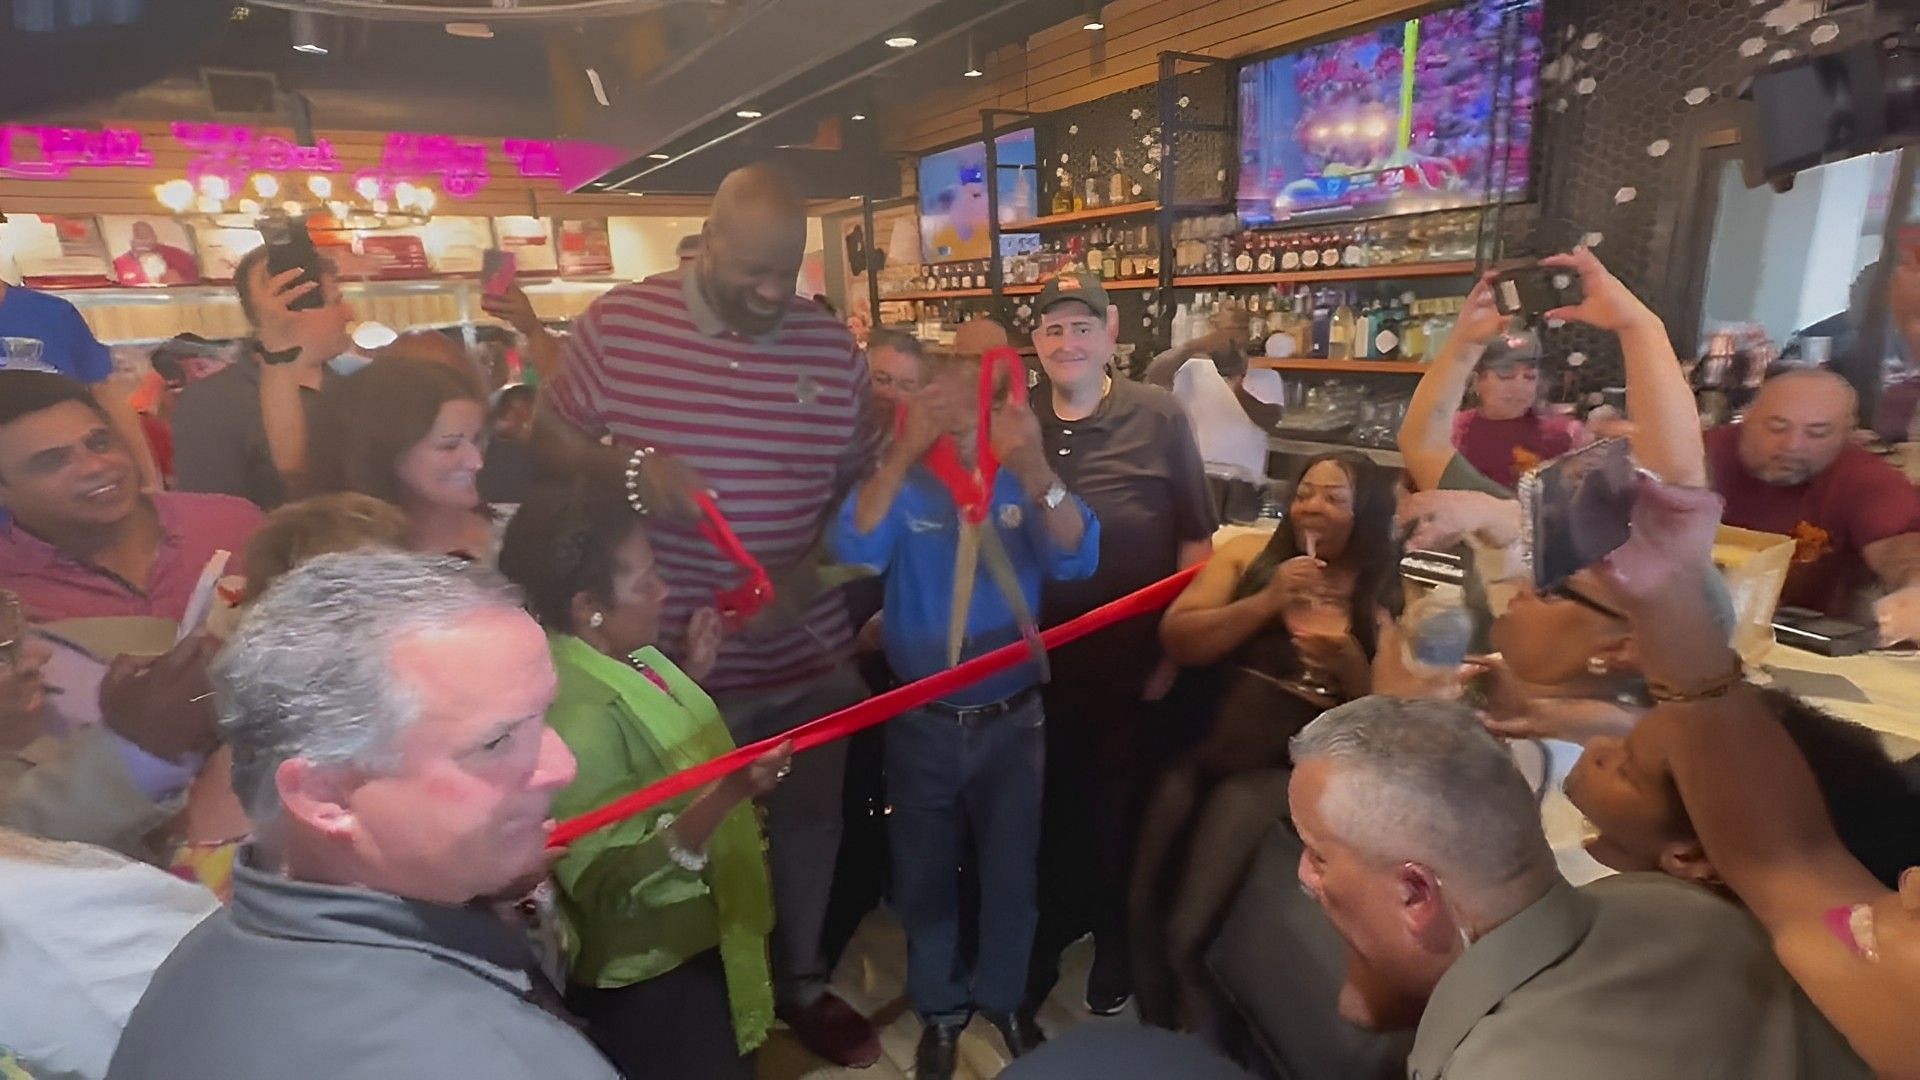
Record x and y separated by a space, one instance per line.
902 41
1095 20
660 157
470 29
973 61
311 49
749 114
858 116
972 73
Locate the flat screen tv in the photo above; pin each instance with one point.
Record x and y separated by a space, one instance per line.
1396 120
953 195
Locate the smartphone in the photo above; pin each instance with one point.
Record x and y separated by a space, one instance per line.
497 269
1533 291
1576 510
13 627
290 247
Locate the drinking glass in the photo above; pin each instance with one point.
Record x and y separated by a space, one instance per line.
1318 612
22 354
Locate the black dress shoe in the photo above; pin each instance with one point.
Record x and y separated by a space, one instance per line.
1022 1033
938 1052
1108 986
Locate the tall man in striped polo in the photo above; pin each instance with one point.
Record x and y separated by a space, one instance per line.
715 376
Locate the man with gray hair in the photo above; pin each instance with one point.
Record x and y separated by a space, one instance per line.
387 714
1423 844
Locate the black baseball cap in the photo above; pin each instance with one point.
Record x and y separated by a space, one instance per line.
1076 285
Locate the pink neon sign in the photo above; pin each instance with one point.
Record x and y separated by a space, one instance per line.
234 153
52 153
460 166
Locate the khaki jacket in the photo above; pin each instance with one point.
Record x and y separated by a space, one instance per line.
75 787
1636 976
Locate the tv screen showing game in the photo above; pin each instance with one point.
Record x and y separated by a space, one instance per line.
1396 120
953 195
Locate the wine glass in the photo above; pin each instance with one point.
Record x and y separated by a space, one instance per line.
1317 612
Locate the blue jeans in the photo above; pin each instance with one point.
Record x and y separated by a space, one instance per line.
950 778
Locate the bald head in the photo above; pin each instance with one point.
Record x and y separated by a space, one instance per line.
1797 426
979 334
752 245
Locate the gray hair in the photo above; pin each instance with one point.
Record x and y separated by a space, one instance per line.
307 673
1423 781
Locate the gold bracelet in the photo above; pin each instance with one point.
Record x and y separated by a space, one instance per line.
1718 688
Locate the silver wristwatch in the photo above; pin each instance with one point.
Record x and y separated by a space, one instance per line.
1056 494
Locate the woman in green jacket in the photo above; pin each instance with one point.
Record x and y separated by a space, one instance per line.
667 913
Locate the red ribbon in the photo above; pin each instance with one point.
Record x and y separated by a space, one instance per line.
875 710
755 592
972 490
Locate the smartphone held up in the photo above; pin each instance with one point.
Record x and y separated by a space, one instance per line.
290 247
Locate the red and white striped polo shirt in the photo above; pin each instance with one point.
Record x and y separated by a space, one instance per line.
772 423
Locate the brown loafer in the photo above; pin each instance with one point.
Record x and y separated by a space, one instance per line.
836 1031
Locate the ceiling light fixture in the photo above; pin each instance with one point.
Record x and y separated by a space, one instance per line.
306 27
902 41
749 114
1095 20
599 89
477 30
858 116
659 157
973 61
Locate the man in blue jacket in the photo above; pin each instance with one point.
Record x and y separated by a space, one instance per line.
964 555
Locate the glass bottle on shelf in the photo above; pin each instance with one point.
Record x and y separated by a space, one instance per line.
1310 253
1340 330
1243 254
1150 248
1096 250
1356 253
1117 182
1256 323
1210 262
1290 253
1063 194
1322 323
1331 251
1110 262
1093 183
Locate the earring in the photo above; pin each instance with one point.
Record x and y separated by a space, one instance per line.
1596 665
596 620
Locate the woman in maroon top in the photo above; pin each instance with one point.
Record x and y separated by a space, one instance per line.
1509 433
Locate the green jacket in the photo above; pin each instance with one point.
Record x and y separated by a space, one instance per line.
631 912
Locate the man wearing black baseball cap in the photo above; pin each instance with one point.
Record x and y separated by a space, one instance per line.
1127 449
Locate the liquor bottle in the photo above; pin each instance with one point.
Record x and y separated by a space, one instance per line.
1243 254
1387 331
1413 332
1150 252
1210 262
1110 262
1330 251
1290 253
1322 323
1310 252
1340 331
1257 320
1093 182
1356 253
1117 183
1266 260
1063 195
1096 250
1363 318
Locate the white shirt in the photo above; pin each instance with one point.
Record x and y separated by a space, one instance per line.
81 931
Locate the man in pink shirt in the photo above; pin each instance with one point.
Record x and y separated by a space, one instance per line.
81 541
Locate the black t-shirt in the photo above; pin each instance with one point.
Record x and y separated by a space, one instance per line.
1137 467
220 440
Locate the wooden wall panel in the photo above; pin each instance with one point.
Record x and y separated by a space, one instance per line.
130 191
1065 65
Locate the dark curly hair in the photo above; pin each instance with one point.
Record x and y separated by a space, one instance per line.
561 544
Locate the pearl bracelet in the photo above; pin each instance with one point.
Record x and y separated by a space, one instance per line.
693 862
634 461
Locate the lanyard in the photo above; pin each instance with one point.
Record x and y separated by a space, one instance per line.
747 599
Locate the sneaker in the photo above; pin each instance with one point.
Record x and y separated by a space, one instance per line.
1109 987
938 1052
836 1031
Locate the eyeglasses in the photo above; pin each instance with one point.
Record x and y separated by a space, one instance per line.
1564 591
887 382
